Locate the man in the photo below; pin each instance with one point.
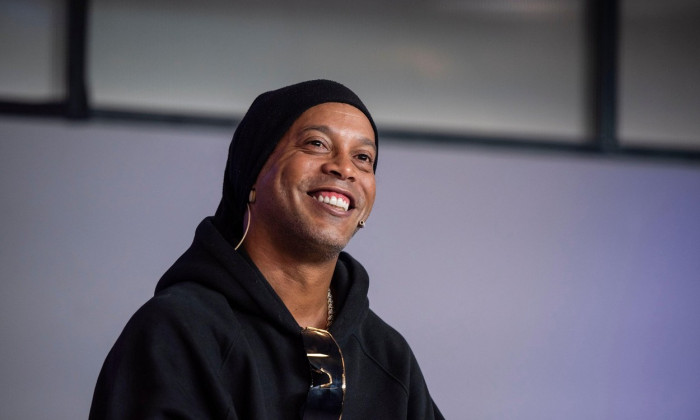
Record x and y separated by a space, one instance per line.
264 316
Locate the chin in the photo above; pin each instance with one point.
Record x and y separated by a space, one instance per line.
321 243
331 246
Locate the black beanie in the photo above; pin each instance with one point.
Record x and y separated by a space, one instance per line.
262 127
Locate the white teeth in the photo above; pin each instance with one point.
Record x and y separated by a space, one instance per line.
334 201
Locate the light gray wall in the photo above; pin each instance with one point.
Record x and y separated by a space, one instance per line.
530 286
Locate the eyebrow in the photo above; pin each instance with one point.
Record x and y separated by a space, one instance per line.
327 131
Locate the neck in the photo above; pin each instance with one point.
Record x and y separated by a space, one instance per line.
301 284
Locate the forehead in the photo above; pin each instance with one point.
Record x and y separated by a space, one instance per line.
337 117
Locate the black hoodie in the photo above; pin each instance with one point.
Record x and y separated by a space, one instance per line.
216 342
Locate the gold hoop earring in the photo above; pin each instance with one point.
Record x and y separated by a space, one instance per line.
247 226
251 196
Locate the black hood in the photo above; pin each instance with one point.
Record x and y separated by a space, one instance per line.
212 262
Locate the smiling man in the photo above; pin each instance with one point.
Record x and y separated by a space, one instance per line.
264 316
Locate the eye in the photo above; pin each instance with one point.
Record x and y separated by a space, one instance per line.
364 157
315 144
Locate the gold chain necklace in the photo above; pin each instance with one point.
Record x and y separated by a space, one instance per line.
329 321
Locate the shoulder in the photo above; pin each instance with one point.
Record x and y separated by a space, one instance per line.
168 358
376 331
386 347
390 367
186 315
187 298
186 303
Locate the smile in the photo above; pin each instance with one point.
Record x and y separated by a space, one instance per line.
333 199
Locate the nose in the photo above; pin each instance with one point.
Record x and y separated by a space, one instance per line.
340 166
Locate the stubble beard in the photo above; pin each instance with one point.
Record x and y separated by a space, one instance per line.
312 242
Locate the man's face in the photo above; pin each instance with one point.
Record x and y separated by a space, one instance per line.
319 181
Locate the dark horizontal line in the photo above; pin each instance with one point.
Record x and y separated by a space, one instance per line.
164 118
689 156
583 146
588 147
388 133
33 109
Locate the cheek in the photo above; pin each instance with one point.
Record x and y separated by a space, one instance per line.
290 178
265 183
299 170
371 193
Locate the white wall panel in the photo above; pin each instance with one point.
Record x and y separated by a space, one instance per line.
659 68
423 65
31 50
